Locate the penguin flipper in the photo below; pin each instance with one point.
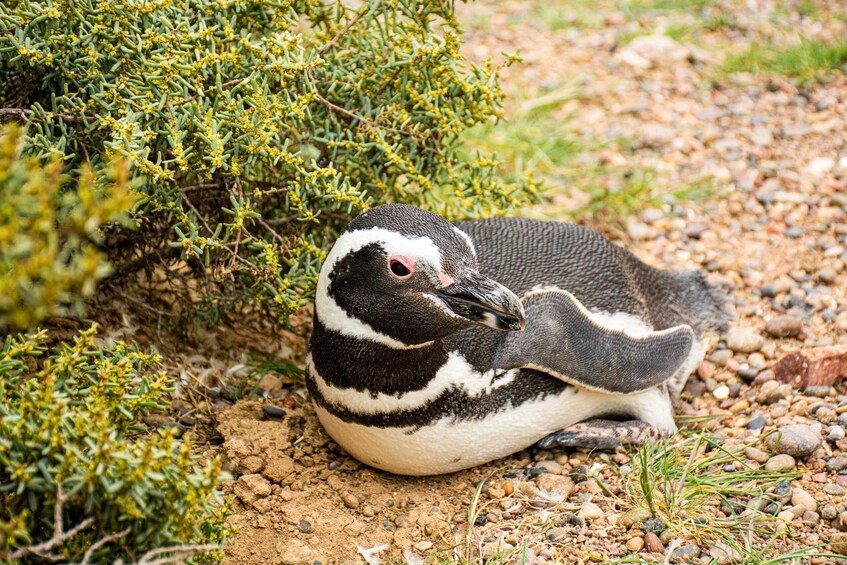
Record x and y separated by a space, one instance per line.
562 338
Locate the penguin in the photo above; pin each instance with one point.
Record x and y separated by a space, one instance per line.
438 347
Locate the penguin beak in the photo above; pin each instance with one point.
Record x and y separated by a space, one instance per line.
484 301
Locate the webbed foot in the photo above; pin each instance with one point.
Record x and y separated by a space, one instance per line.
602 434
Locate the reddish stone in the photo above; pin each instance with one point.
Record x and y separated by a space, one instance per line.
819 478
819 366
841 480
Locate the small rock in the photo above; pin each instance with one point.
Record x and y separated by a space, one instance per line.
829 512
721 393
305 526
579 474
555 484
685 553
835 434
590 511
834 490
744 340
350 500
784 326
838 543
780 463
273 411
655 525
250 488
818 391
811 517
720 356
658 50
797 440
800 497
724 554
771 392
761 136
757 455
757 423
635 544
551 466
819 166
654 545
634 516
827 275
278 467
835 464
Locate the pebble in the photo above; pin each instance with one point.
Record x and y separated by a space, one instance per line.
720 356
838 543
780 463
835 433
757 455
350 500
634 516
836 464
635 544
721 393
273 411
756 423
797 440
829 512
800 497
590 511
685 552
834 490
655 525
579 474
744 340
555 483
784 326
368 511
771 392
654 545
305 526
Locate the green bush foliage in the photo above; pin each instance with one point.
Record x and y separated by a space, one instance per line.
257 127
68 438
50 233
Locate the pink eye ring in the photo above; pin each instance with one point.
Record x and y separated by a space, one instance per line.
400 267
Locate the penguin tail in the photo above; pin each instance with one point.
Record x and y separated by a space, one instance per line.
697 302
674 298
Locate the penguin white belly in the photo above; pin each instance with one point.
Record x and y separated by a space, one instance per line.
451 445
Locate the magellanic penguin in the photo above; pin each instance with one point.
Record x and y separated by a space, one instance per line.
439 347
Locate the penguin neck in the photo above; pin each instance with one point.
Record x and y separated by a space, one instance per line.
348 362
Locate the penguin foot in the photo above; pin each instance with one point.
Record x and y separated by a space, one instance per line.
605 435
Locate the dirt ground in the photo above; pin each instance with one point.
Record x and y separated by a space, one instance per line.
772 154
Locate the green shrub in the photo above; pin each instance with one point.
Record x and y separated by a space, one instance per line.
71 457
257 127
50 233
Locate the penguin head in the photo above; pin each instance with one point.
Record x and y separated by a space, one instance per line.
404 277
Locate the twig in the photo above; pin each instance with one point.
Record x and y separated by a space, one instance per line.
180 554
86 559
341 33
24 114
227 84
355 116
60 536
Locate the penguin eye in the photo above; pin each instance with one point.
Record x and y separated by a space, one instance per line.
399 268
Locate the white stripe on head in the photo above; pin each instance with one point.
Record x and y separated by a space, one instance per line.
331 315
467 238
